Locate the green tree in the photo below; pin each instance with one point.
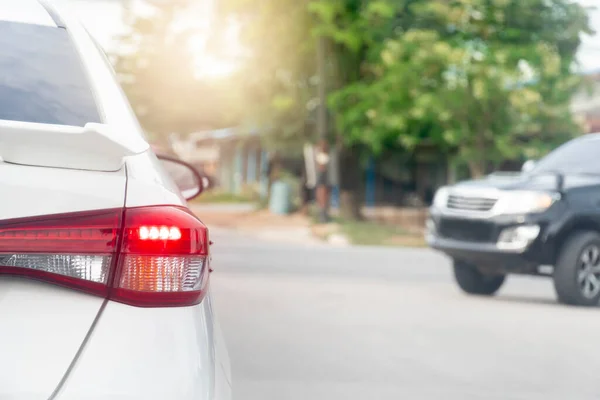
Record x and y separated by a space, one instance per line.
490 79
282 78
484 79
279 89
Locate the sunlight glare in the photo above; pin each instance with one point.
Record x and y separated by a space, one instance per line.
209 64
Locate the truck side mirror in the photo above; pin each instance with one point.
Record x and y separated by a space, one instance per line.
528 166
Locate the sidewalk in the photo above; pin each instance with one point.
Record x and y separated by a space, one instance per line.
299 229
262 224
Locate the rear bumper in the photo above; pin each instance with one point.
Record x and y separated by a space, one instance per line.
146 353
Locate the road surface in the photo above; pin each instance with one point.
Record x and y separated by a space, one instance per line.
365 323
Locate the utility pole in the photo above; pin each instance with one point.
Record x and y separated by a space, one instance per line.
322 155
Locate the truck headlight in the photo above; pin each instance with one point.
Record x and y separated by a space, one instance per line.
441 197
525 202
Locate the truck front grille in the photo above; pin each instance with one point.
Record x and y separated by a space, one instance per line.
468 203
467 230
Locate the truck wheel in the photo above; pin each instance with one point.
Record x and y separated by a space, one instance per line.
577 270
472 281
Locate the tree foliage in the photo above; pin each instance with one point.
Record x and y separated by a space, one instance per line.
488 79
483 79
280 74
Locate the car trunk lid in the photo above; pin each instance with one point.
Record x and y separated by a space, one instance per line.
45 325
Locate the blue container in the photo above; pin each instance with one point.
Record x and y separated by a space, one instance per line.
280 201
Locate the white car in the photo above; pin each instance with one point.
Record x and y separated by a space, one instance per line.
104 272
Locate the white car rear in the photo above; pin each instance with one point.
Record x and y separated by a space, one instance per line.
104 273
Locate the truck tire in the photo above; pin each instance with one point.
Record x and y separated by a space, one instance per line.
472 281
577 270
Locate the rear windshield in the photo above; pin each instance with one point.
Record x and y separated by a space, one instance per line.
42 78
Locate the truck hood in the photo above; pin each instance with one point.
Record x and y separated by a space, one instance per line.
529 182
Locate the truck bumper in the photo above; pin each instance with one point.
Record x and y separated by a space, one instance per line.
485 255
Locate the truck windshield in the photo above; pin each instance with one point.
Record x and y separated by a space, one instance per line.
581 156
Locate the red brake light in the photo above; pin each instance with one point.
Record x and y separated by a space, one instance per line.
159 233
163 257
163 230
147 256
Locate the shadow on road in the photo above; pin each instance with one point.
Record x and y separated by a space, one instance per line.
539 300
525 299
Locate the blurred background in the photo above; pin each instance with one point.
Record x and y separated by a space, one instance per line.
326 127
250 91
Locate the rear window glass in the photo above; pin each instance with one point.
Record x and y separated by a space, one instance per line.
41 77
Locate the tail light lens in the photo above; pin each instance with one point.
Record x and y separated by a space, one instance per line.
147 256
76 249
163 257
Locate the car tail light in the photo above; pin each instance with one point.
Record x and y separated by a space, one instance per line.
163 257
147 256
76 249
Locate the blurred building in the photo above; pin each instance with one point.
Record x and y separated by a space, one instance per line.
232 157
397 178
586 103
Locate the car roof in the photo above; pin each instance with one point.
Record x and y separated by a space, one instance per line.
25 11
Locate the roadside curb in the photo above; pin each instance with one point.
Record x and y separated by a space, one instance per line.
282 235
330 234
243 220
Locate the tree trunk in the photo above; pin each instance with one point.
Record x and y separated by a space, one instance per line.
478 164
351 181
451 171
422 180
477 168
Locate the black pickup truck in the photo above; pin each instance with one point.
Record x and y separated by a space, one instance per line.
544 221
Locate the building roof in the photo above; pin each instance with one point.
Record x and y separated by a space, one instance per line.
25 11
222 134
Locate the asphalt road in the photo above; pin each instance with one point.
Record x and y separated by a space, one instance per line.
365 323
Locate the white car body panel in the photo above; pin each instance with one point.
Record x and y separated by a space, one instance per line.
30 191
223 380
169 356
43 325
28 12
95 147
64 344
110 97
148 183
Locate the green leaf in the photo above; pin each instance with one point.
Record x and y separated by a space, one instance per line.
380 8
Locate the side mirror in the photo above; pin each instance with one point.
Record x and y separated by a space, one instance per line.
186 177
528 166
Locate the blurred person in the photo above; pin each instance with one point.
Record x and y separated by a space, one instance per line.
323 187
